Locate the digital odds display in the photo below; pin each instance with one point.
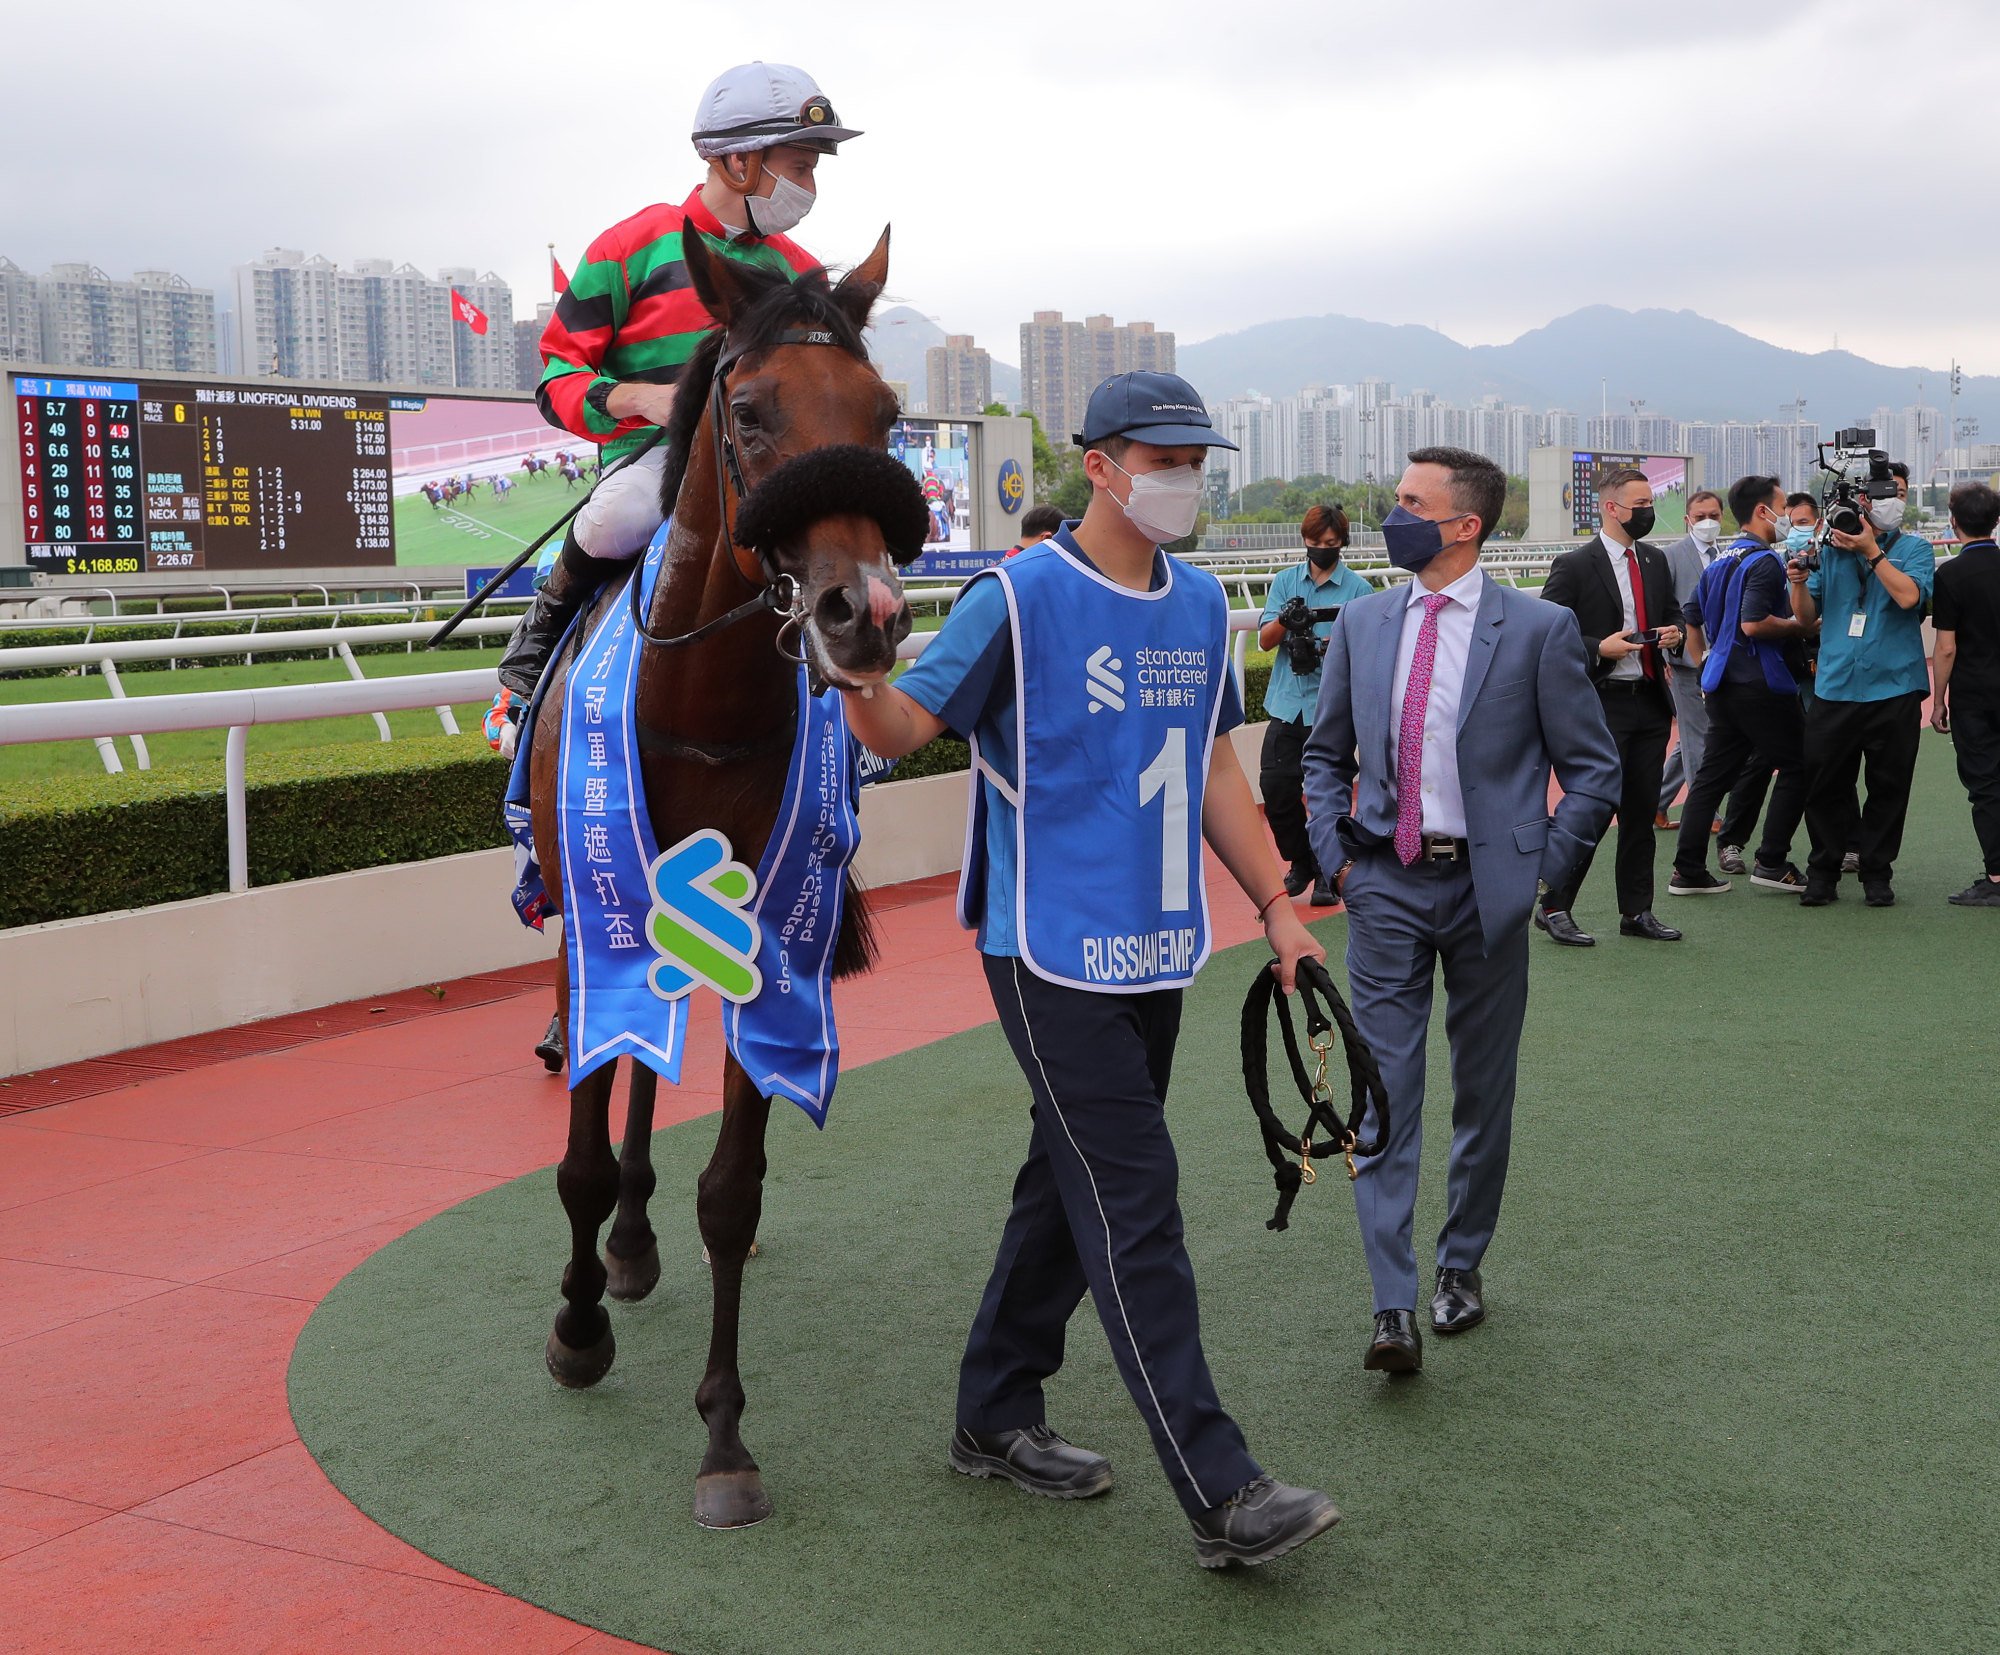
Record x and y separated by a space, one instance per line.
125 477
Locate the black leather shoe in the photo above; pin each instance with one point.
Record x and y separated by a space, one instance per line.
1261 1520
1877 893
1559 925
1397 1347
575 577
1324 895
1818 893
1297 878
1644 925
1456 1305
1035 1459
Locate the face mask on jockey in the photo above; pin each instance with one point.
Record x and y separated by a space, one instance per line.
774 214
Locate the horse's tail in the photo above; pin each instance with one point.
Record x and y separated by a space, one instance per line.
856 948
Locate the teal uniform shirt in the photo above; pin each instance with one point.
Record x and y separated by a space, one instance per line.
1870 648
1292 695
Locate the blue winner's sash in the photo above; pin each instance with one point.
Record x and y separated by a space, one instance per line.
645 927
1118 694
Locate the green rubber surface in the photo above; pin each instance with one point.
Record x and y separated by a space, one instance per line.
1735 1392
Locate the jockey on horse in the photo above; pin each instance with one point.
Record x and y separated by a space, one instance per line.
630 319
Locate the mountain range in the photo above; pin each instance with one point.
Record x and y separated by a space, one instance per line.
1684 365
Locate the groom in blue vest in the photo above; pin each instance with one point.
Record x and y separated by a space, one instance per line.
1444 703
1091 675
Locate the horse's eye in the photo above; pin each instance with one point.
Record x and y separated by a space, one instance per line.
746 417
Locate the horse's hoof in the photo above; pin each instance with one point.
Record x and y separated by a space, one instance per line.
630 1280
580 1369
730 1499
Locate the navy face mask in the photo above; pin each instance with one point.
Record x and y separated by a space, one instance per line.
1412 540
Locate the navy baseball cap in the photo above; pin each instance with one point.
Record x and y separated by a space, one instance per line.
1149 407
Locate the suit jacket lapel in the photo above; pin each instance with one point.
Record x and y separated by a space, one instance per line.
1390 640
1485 637
1601 553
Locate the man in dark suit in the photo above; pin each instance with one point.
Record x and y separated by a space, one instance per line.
1443 704
1621 591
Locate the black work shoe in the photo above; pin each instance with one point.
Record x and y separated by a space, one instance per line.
1876 893
1456 1305
1645 925
1699 883
1397 1346
1035 1459
1324 895
1981 893
1818 893
1297 878
1560 926
1261 1520
575 577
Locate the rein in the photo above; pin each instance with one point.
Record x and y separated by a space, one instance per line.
1325 1011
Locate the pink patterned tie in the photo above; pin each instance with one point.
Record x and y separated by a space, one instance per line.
1410 739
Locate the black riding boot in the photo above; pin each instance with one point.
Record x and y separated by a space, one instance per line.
571 582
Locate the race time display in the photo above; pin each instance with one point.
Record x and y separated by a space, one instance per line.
140 477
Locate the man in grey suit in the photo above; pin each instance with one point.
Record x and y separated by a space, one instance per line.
1686 558
1444 703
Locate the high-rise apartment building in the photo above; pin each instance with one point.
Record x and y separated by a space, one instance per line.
958 377
83 318
1062 362
377 323
20 315
528 346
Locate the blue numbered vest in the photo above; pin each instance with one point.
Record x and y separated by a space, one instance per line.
1117 696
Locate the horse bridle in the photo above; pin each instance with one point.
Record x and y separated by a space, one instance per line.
777 592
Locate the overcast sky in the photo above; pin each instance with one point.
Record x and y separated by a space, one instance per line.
1801 169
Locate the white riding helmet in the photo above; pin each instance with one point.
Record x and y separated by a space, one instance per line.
757 105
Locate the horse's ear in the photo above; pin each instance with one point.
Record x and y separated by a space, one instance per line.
863 285
719 282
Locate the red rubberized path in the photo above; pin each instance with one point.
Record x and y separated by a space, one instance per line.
170 1217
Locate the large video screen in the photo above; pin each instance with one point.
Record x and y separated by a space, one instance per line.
128 477
939 456
1668 473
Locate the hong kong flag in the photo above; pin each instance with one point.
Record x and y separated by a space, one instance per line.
464 310
557 279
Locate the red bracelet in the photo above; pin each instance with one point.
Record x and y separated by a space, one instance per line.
1267 903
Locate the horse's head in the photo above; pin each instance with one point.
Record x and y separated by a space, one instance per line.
806 418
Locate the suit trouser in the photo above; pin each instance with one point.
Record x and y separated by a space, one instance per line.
1400 923
1691 721
1746 720
1638 713
1840 737
1746 801
1096 1205
1975 734
1282 780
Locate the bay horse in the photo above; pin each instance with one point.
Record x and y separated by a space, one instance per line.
717 719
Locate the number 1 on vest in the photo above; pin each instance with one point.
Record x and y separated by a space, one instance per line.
1167 775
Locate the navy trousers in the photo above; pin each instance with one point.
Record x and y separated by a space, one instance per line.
1401 922
1096 1205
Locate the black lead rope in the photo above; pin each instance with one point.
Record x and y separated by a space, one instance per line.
1292 1153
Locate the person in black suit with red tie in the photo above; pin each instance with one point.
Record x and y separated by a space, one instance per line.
1622 593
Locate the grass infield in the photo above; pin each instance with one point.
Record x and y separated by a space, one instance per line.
1735 1391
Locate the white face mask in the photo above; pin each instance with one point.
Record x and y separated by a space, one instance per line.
1163 504
774 214
1706 530
1887 515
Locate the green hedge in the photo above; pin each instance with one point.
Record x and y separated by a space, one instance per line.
78 845
86 845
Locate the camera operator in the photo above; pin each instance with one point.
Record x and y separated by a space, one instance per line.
1290 626
1868 595
1966 667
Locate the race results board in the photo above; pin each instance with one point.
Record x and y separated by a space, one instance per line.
122 477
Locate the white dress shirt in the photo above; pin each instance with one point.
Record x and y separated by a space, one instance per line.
1626 666
1444 803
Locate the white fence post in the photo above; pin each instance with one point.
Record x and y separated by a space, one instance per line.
236 810
139 752
354 671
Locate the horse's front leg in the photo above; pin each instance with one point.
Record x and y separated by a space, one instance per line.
631 1251
581 1348
729 1490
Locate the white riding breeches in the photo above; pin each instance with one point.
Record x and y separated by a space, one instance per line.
623 512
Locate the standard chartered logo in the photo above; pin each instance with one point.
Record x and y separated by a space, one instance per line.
697 923
1101 681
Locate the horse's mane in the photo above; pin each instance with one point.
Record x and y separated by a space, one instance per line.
780 304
